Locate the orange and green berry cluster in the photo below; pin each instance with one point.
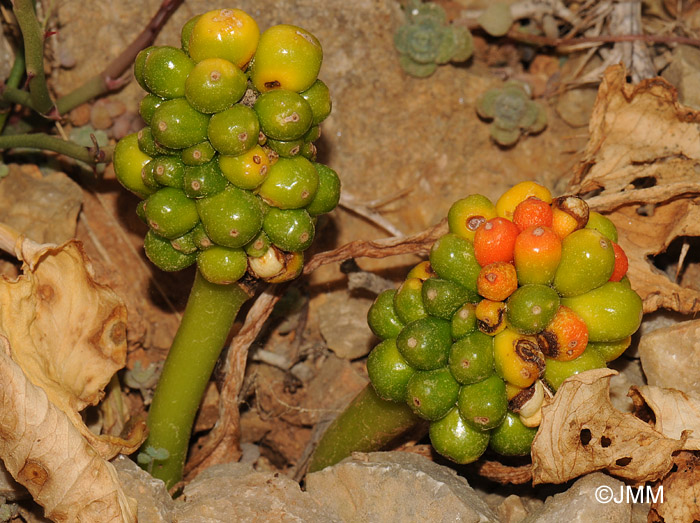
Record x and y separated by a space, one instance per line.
226 164
517 297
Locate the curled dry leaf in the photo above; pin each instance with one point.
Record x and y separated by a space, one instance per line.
582 432
643 149
44 451
67 333
681 489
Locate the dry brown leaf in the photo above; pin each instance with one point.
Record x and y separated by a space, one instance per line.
681 490
67 333
582 432
42 449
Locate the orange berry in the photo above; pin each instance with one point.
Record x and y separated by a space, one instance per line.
536 255
532 212
566 336
494 241
621 263
497 281
569 213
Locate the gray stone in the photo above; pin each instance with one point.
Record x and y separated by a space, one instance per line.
579 503
236 492
154 503
396 486
342 319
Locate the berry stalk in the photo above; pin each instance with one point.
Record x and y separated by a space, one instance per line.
209 315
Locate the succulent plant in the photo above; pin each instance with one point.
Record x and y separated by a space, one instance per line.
426 40
513 112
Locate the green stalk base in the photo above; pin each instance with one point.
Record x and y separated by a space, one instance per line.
209 315
367 425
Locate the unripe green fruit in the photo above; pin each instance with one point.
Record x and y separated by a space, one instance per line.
512 438
313 134
232 217
382 317
129 162
284 149
203 180
139 66
328 193
555 372
186 33
171 213
425 343
176 124
234 131
471 358
309 151
284 115
464 321
408 301
611 350
603 225
148 106
164 256
291 230
222 265
258 246
442 298
165 71
452 258
587 261
198 154
531 307
291 183
287 57
456 440
230 34
185 243
319 98
611 312
215 84
200 237
146 142
388 371
483 405
148 178
432 393
167 171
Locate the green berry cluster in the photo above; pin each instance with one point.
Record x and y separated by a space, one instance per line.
426 40
226 163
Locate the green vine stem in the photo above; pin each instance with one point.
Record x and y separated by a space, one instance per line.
12 82
207 320
367 424
33 38
46 142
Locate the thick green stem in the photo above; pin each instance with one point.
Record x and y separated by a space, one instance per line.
12 82
366 425
33 38
47 142
209 315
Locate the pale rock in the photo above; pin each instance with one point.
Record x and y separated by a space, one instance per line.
396 486
511 510
343 323
154 503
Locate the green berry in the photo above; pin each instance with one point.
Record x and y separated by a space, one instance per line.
164 256
200 237
328 193
611 350
146 142
388 371
471 358
234 131
185 243
313 134
141 211
309 151
603 225
147 177
587 261
291 230
198 154
555 372
129 162
452 258
284 115
230 34
483 405
531 307
464 321
456 440
139 66
291 183
176 124
222 265
171 213
287 57
167 171
232 217
186 33
215 84
442 298
425 343
319 98
432 393
165 71
284 149
203 180
512 438
148 106
258 246
382 317
408 301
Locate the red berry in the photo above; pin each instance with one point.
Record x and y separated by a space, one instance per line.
621 263
494 241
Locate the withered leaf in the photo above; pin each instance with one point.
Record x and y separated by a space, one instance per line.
582 432
681 490
44 451
67 333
